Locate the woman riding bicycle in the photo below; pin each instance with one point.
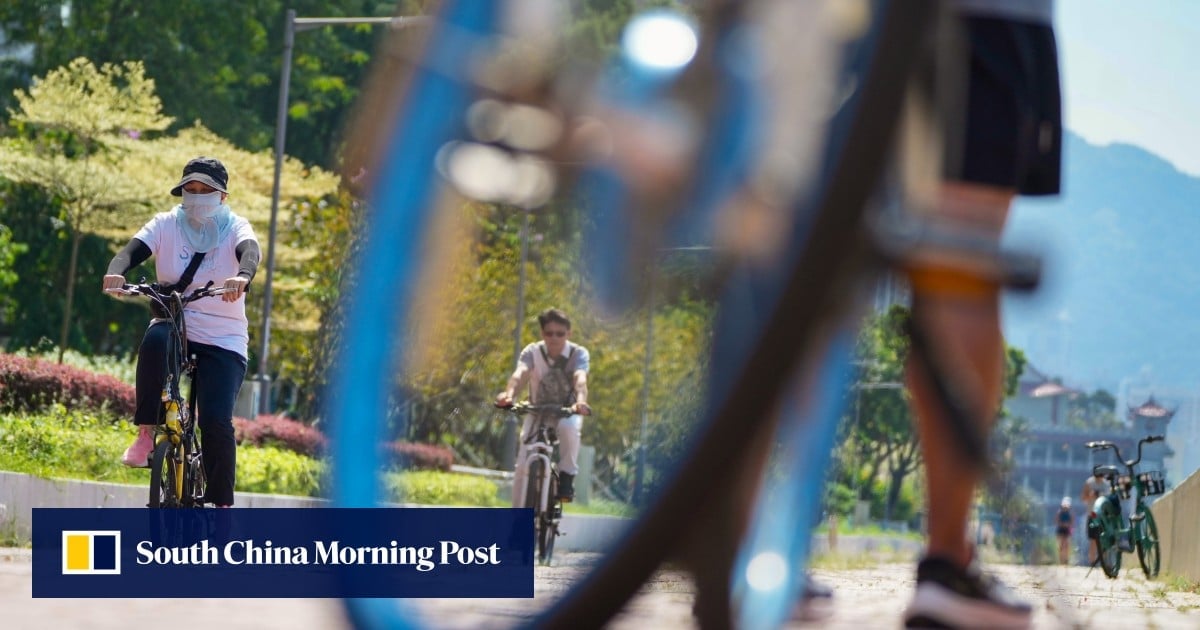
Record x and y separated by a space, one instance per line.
217 330
557 372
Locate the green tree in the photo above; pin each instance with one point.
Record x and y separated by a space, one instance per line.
9 251
35 305
882 435
73 127
219 64
881 440
1097 410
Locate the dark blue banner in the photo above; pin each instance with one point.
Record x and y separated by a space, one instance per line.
311 552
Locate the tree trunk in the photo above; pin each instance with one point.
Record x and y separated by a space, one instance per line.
63 337
877 461
893 495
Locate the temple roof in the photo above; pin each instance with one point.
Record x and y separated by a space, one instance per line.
1049 388
1151 409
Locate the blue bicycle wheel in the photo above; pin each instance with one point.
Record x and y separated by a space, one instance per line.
405 187
783 319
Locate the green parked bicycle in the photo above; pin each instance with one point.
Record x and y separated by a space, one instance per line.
1106 523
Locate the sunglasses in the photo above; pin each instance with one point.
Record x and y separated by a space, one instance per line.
554 333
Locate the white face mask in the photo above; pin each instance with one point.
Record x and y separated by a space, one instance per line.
204 220
201 206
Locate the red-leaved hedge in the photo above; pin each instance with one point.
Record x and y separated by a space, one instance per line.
282 432
296 436
31 385
420 456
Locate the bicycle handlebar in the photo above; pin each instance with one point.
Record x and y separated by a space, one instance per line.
156 292
1105 444
527 407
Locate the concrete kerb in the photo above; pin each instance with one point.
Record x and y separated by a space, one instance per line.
21 493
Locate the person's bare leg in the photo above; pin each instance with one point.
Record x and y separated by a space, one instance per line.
971 346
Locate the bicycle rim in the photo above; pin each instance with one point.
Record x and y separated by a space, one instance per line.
533 487
1110 549
549 530
163 474
1148 545
533 501
832 236
546 541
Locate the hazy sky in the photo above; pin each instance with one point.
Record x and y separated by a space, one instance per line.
1130 74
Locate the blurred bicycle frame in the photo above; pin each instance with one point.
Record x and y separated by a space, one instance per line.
782 312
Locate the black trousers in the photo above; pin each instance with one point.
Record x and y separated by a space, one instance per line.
219 376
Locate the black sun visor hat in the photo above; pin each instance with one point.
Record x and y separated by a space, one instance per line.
205 170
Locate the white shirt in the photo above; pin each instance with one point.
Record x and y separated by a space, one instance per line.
210 320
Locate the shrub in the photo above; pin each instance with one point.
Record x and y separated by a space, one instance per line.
62 443
123 369
31 385
435 488
281 432
420 456
276 471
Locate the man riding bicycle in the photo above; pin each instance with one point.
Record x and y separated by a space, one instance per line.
556 370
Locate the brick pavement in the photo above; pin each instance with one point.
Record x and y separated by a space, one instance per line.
869 597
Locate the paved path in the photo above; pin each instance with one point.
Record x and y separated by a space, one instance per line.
871 597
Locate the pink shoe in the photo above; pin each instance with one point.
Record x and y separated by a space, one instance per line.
138 453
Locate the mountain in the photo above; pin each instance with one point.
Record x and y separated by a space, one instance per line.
1121 294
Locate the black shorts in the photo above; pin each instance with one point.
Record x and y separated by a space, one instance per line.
1011 136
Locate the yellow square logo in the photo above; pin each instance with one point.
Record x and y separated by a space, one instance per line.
91 552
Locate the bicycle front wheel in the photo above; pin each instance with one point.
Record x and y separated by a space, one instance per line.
164 476
1109 543
533 500
548 525
1147 545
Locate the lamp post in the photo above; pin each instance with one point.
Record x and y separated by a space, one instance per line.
291 27
639 475
508 455
859 386
640 470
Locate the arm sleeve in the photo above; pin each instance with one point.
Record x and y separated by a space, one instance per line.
526 357
248 256
133 254
584 362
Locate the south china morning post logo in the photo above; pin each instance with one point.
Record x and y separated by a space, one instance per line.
255 552
91 552
284 552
